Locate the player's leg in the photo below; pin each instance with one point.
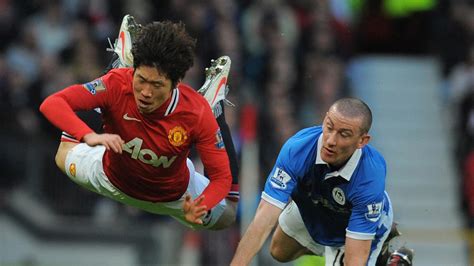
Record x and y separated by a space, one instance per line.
385 252
227 217
284 248
220 216
83 165
291 238
230 212
231 153
215 90
67 143
400 257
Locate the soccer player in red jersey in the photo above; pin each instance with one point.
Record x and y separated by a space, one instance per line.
151 120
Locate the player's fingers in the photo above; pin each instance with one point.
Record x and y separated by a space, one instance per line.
106 145
118 146
118 139
202 214
187 197
187 203
200 208
114 146
199 200
196 220
198 211
115 143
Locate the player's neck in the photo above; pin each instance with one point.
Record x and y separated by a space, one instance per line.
337 166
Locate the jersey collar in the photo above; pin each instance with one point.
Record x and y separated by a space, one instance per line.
347 170
173 102
167 108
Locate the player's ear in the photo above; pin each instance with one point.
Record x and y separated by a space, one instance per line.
364 140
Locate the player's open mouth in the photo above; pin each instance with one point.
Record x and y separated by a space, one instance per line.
143 104
328 151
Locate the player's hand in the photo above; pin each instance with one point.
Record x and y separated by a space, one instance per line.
193 210
111 141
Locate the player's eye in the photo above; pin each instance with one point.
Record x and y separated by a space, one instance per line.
345 135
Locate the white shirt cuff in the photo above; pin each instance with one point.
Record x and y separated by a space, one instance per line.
273 201
359 236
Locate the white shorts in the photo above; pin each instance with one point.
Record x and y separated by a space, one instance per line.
84 166
292 224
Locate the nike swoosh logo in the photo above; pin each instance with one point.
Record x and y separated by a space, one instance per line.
122 39
222 82
126 117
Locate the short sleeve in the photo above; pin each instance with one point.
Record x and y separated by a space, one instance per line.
295 158
368 206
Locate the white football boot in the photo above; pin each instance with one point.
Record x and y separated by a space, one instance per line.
215 87
123 44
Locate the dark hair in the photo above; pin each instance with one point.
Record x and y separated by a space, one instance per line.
354 108
166 46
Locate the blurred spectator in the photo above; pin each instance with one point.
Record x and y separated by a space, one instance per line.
323 83
23 56
51 29
461 78
468 175
453 33
8 23
401 27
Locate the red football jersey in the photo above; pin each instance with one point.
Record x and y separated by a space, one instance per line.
152 166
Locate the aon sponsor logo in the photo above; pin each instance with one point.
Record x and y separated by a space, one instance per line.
134 147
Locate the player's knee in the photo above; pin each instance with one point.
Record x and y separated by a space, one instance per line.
61 154
232 206
227 221
279 253
228 217
59 159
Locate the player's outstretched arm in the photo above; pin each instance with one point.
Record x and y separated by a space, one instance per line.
356 251
256 234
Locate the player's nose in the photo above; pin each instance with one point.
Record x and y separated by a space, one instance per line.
331 140
146 91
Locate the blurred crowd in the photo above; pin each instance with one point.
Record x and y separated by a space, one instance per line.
459 95
288 64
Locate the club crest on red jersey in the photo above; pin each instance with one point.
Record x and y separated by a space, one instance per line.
95 86
177 136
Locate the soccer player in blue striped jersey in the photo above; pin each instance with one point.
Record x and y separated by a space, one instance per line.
326 194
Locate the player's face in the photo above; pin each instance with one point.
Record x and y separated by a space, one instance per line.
150 88
341 137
